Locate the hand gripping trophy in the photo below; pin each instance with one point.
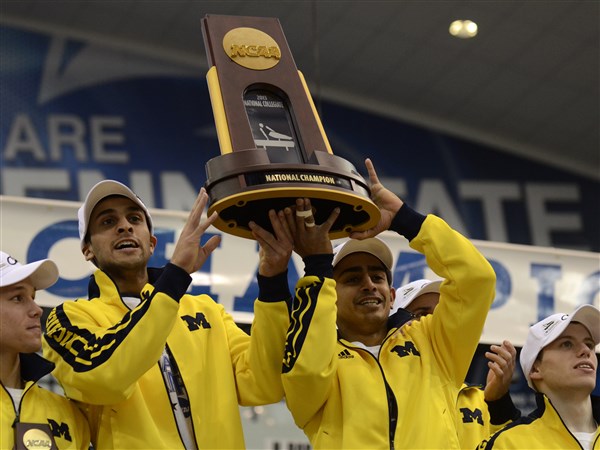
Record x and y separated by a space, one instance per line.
273 146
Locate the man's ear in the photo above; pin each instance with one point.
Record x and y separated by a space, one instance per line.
392 296
153 242
88 253
535 373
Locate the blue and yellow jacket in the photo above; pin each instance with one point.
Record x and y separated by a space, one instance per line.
67 423
344 397
478 419
542 429
107 355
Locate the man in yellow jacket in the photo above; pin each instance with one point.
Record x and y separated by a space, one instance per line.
560 364
365 384
31 416
156 367
480 412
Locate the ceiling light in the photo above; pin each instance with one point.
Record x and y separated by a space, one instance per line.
463 29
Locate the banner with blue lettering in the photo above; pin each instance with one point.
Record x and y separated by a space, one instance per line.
532 282
73 113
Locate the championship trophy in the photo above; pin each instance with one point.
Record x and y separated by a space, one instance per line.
273 146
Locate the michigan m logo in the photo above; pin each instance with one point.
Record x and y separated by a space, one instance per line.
472 416
195 323
405 350
61 430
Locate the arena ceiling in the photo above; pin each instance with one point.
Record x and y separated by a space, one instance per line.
528 83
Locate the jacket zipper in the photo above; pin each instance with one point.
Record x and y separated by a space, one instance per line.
391 399
17 410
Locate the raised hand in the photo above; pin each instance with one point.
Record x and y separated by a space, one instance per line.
309 237
188 253
387 202
502 359
275 248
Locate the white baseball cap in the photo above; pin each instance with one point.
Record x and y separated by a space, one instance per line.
549 329
407 293
373 246
43 273
100 191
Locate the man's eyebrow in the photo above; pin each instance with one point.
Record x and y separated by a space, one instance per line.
352 269
377 268
17 287
358 269
106 211
573 338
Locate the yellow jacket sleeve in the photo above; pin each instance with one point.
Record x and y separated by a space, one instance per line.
100 348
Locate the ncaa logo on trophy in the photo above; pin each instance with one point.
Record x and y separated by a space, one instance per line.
273 146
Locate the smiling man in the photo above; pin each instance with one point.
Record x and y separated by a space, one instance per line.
361 313
559 362
352 379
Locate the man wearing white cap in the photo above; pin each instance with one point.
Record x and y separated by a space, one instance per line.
156 367
365 384
419 297
30 413
560 364
481 412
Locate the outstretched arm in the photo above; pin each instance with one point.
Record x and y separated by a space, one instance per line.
309 364
257 359
469 280
258 367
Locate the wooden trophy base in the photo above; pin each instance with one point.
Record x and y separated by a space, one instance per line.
243 186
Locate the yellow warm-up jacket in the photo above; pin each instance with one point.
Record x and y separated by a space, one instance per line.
344 397
478 419
67 423
542 429
107 355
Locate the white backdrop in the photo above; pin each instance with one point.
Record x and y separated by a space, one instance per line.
532 281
